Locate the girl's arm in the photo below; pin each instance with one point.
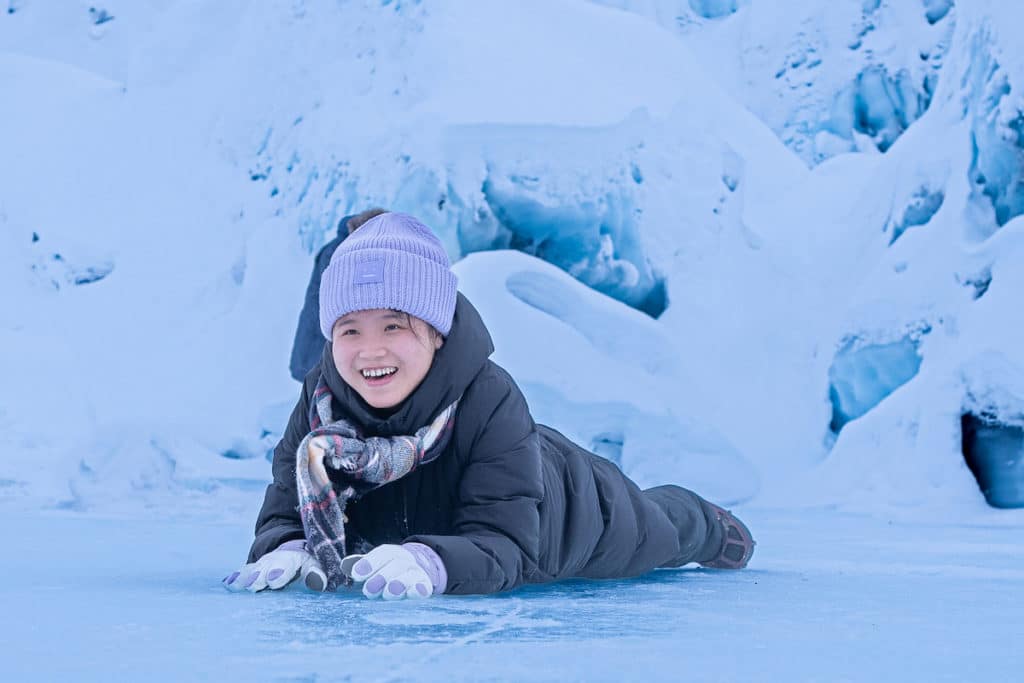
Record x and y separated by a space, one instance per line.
279 519
497 522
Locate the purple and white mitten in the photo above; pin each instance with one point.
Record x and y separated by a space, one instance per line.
393 572
277 569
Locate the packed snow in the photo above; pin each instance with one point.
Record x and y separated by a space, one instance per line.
774 256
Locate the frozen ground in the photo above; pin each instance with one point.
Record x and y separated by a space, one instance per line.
830 596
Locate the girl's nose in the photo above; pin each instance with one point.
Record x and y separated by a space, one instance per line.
372 350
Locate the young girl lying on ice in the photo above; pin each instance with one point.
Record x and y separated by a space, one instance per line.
411 463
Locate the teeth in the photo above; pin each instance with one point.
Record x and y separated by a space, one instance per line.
379 372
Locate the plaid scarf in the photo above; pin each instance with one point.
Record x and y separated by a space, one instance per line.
359 464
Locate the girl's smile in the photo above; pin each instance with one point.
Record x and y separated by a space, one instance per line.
383 354
378 377
378 373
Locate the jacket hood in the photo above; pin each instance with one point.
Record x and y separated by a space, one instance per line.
456 364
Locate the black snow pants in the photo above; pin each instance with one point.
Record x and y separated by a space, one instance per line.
700 535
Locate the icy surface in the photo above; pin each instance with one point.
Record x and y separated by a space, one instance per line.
831 595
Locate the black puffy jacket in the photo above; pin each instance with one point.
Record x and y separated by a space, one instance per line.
508 501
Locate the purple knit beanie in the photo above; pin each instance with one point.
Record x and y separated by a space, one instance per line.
392 261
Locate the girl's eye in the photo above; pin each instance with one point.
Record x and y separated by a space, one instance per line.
392 327
349 332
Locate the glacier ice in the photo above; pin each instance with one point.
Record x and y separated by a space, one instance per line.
595 239
861 376
714 9
585 222
979 282
879 105
997 133
994 452
811 94
924 204
587 227
997 162
936 10
992 427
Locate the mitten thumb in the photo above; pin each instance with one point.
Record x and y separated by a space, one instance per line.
313 575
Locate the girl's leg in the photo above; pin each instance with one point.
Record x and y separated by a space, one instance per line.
701 535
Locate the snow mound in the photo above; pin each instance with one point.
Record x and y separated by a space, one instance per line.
602 373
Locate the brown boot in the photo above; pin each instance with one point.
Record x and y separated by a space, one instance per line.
737 543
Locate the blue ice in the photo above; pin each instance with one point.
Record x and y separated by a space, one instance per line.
997 134
997 165
879 105
936 10
995 455
861 377
714 9
138 597
594 239
924 204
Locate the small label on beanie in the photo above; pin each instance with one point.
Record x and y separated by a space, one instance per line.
369 272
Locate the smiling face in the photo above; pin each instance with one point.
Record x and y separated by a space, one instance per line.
383 354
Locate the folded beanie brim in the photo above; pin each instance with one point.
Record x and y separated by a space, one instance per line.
391 279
